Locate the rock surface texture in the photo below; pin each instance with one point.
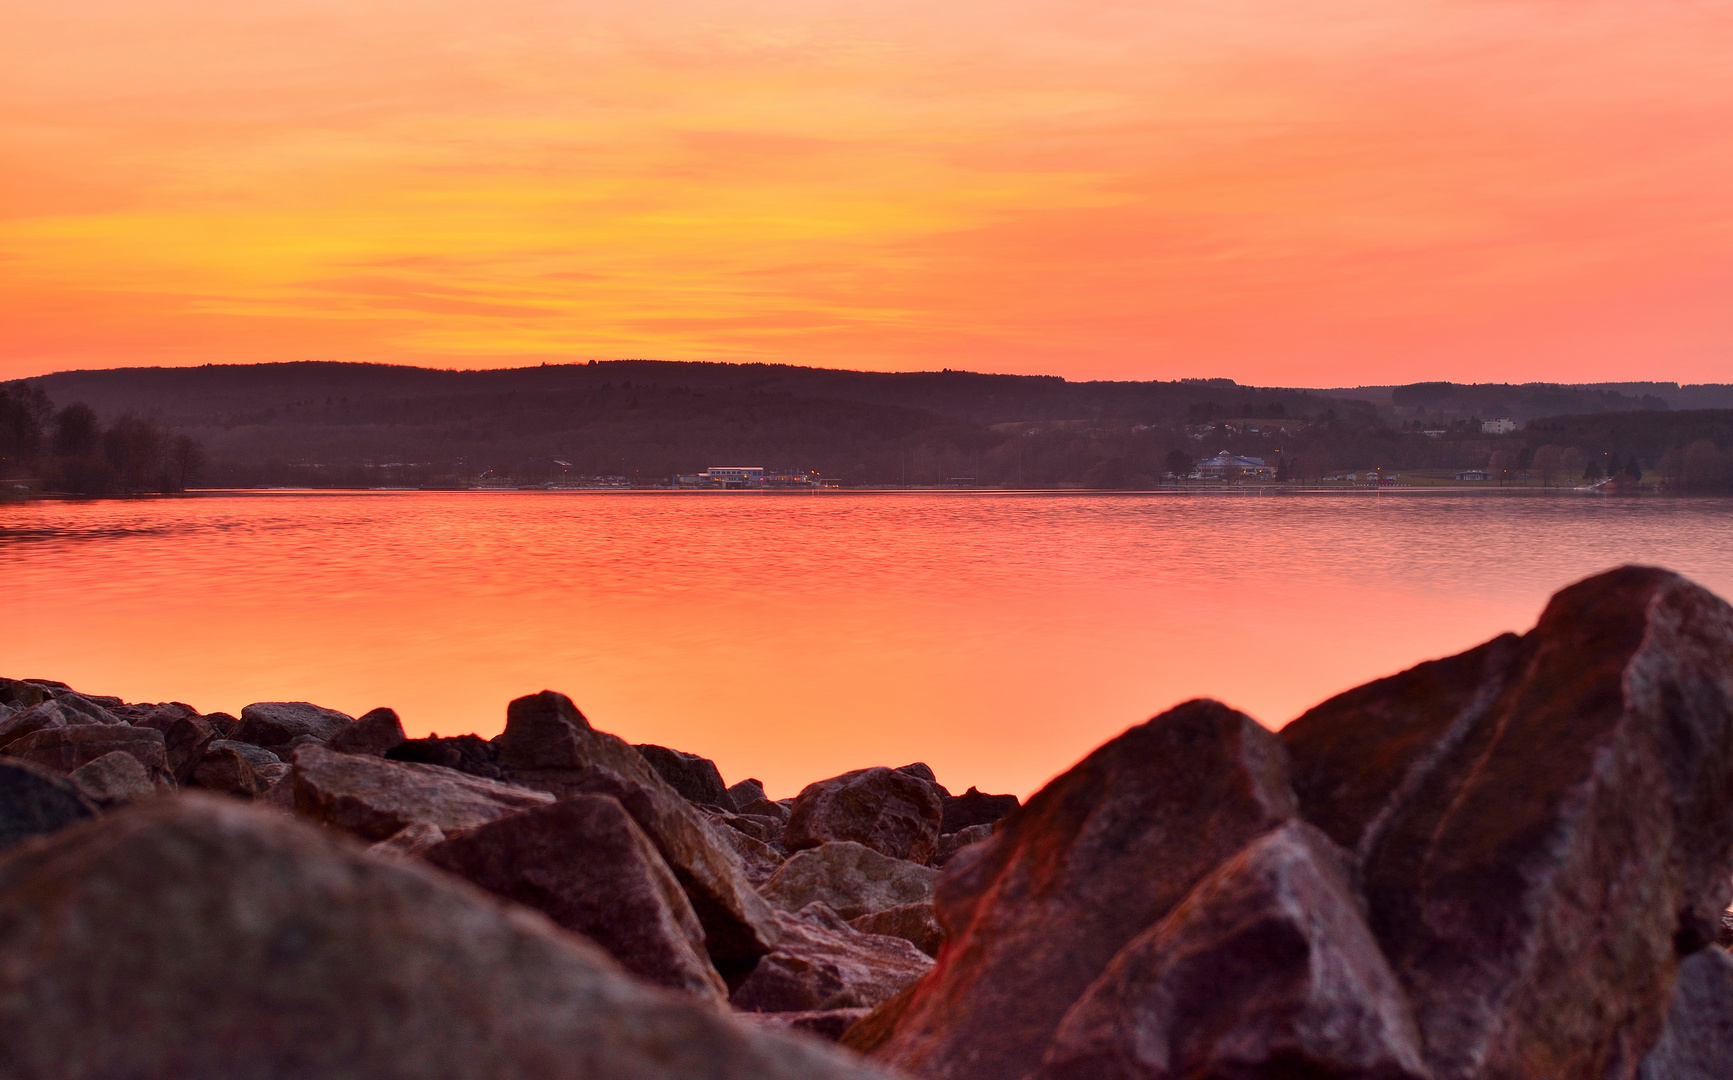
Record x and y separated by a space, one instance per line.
1697 1041
276 724
1541 824
584 863
200 938
1266 969
1035 914
849 878
114 779
695 778
892 812
375 732
821 963
547 742
64 749
373 798
917 924
36 802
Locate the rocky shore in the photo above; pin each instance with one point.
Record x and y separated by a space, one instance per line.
1511 863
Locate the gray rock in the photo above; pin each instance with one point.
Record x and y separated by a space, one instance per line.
114 779
257 756
547 743
746 791
951 843
31 719
36 802
1266 969
1697 1041
204 939
851 879
822 963
695 778
893 813
64 749
373 798
275 724
759 859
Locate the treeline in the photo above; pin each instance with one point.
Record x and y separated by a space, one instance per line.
71 450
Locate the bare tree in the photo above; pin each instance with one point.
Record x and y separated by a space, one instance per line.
1501 466
1549 464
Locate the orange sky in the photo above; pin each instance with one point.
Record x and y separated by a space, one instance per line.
1317 193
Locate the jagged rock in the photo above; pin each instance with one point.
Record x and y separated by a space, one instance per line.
739 926
759 859
974 807
852 879
1266 969
23 693
376 733
272 775
223 722
185 740
1697 1041
584 863
695 778
891 812
411 840
773 815
749 790
31 719
374 798
35 802
94 711
257 756
466 753
918 924
763 829
951 843
227 771
159 715
1035 913
826 1024
822 963
547 742
64 749
114 779
205 939
274 724
1540 843
920 770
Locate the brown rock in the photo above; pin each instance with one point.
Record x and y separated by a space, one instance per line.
35 802
114 779
1547 841
407 842
974 807
466 753
225 770
204 939
64 749
757 858
375 733
274 724
23 693
1035 913
223 722
30 720
1697 1041
891 812
822 963
695 778
849 878
1266 969
951 843
918 924
158 715
739 926
747 791
772 815
257 756
584 863
828 1024
547 741
373 798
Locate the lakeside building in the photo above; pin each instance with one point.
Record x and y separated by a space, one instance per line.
1498 425
1472 474
1225 464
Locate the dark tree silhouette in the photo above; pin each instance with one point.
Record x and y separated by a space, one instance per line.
77 432
1179 463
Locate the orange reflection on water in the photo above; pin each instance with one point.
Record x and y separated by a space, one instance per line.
996 637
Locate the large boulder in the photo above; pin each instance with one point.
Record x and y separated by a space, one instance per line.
821 963
1697 1041
35 802
64 749
974 807
918 924
228 771
695 778
203 939
758 859
892 812
739 926
1266 969
584 863
849 878
375 732
547 742
28 720
1542 824
1034 914
275 724
114 779
373 798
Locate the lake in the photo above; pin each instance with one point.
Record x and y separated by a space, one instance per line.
997 637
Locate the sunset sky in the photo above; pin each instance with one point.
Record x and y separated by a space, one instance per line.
1322 193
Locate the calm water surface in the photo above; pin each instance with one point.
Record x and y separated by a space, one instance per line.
997 637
